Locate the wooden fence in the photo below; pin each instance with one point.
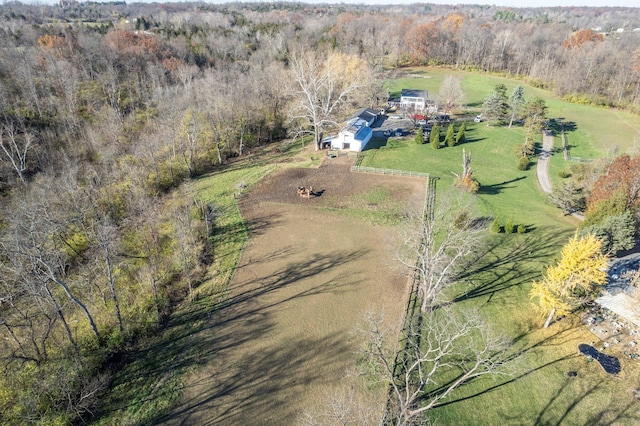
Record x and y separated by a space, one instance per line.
361 169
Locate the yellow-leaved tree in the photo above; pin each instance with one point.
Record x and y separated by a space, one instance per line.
579 275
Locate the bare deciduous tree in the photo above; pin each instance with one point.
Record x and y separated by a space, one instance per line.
451 94
441 352
436 247
325 83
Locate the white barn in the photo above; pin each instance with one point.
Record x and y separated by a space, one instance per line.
353 138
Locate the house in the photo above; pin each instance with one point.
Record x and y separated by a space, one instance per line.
367 115
354 137
413 100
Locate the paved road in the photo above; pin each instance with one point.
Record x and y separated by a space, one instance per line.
542 168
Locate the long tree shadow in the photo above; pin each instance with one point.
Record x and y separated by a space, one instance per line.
509 359
198 335
498 187
502 264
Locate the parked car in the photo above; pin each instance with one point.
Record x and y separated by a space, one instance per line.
478 118
396 117
399 132
387 132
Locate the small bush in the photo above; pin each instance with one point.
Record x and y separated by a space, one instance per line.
462 220
495 226
564 174
509 227
468 184
523 164
522 229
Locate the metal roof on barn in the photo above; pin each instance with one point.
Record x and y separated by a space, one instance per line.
366 114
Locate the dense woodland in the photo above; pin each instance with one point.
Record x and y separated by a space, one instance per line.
107 109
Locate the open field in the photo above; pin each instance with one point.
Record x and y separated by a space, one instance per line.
283 336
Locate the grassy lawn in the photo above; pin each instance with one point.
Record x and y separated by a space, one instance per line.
497 283
505 191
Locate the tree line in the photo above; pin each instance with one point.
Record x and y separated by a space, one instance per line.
106 110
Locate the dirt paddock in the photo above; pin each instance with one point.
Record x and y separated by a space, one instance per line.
285 337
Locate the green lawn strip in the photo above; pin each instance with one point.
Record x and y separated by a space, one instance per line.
375 206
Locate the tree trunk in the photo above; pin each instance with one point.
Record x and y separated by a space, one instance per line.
112 287
64 323
549 318
66 289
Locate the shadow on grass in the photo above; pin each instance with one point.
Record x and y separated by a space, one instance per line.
250 376
498 187
506 262
375 143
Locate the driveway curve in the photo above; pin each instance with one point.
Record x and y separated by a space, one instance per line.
542 168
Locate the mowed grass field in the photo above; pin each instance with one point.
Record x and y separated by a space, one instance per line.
537 390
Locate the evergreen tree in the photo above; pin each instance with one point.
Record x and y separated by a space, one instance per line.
495 226
420 136
516 103
508 226
493 108
434 137
460 137
449 139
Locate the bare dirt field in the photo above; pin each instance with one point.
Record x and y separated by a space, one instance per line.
312 267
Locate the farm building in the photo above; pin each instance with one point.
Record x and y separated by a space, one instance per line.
354 137
367 115
413 100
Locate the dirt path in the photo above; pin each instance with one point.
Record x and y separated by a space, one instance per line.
284 337
542 169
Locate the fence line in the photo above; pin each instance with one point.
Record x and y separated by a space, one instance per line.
376 170
412 316
565 150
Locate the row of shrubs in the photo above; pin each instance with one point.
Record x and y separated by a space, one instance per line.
508 228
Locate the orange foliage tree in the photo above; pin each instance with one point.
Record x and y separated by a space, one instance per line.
580 38
418 39
622 175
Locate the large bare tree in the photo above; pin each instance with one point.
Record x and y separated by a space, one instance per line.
325 83
441 352
436 245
